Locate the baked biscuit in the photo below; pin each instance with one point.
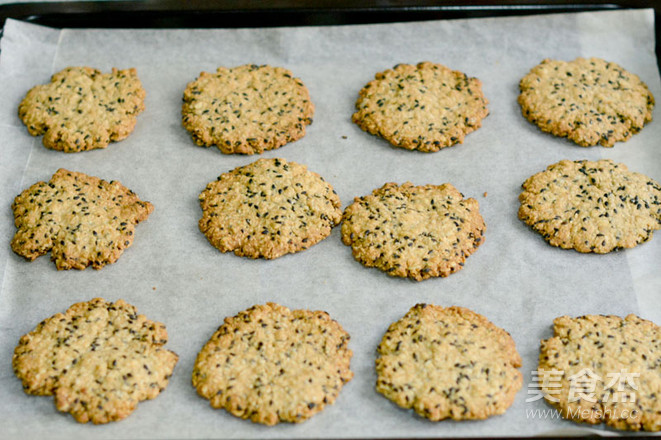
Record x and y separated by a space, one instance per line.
270 364
268 208
83 109
604 369
448 363
82 220
591 206
98 359
424 107
246 109
413 231
590 101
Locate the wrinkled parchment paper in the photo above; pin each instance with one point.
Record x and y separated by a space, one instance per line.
173 275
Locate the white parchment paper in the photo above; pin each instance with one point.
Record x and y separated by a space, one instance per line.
173 275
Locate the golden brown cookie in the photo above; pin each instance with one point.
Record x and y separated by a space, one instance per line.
268 208
99 359
590 101
270 364
246 109
82 220
424 107
413 231
591 206
83 109
604 369
448 363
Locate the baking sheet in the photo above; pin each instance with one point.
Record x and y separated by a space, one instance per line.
173 275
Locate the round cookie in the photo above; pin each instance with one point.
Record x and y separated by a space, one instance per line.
424 107
413 231
268 208
448 363
246 109
99 359
590 101
591 206
82 220
83 109
270 364
608 370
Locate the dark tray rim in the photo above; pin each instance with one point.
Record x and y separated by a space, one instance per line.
170 14
273 13
262 13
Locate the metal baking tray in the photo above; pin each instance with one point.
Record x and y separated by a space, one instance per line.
274 13
262 13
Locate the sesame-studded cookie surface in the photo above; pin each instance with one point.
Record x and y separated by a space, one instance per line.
591 206
422 107
82 220
413 231
271 364
83 109
246 109
98 359
448 363
604 369
268 208
590 101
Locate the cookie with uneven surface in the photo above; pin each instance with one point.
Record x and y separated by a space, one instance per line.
98 359
411 231
604 369
448 363
83 109
246 109
589 101
591 206
270 364
81 220
422 107
267 209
